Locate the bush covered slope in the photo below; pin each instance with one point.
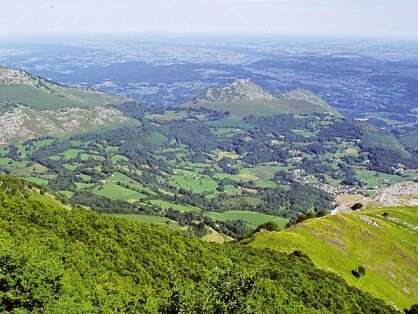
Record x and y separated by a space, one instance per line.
59 260
383 241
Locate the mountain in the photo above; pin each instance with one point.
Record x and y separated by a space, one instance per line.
383 241
33 106
57 259
240 90
243 97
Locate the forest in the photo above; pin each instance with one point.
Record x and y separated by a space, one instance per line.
77 261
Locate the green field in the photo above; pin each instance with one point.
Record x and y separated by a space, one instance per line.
252 218
387 248
5 161
376 179
167 116
230 189
69 166
149 219
120 177
304 133
72 153
178 207
116 158
261 175
42 143
194 182
117 192
37 180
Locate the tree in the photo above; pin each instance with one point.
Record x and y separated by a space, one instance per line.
412 310
357 206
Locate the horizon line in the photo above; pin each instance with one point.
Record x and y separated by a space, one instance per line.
208 34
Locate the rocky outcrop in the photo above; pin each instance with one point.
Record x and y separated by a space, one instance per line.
400 194
31 106
240 90
22 123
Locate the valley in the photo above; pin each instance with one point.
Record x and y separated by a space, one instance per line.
209 167
237 166
209 157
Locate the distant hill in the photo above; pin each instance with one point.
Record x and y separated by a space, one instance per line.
383 241
33 106
56 259
244 97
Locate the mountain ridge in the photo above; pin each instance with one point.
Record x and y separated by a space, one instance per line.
244 97
31 106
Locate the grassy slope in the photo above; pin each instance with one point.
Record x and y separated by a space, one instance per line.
181 208
263 107
117 192
253 218
61 260
341 243
147 219
38 98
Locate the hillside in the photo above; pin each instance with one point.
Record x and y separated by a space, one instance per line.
55 259
383 241
32 106
17 86
244 97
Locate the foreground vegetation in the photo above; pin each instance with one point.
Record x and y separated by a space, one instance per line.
382 241
59 260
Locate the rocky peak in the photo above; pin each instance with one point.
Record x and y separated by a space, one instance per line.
240 90
13 76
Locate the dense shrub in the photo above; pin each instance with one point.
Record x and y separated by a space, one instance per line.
59 260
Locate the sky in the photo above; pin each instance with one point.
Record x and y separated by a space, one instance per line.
380 18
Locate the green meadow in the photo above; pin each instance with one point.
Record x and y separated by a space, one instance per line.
385 247
252 218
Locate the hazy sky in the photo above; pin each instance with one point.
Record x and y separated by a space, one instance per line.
389 18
